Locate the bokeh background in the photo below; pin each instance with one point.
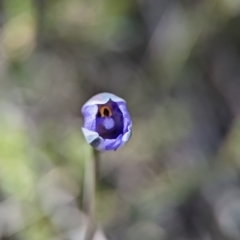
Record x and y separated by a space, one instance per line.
177 64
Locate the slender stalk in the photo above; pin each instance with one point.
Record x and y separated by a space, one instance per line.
97 165
91 175
40 7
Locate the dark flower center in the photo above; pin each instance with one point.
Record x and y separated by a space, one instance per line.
109 120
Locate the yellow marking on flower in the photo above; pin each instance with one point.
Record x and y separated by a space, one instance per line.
105 111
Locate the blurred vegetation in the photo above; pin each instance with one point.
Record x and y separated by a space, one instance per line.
176 62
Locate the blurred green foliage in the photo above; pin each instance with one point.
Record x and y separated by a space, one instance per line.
177 65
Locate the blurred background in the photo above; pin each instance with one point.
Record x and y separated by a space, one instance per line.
176 63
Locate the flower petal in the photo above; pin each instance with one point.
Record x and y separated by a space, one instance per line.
89 113
90 136
93 139
102 98
127 122
126 137
113 144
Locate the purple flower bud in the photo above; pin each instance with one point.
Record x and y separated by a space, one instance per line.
107 123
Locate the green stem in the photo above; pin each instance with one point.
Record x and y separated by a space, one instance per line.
91 175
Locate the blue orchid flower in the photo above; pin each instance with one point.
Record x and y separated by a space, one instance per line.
107 123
